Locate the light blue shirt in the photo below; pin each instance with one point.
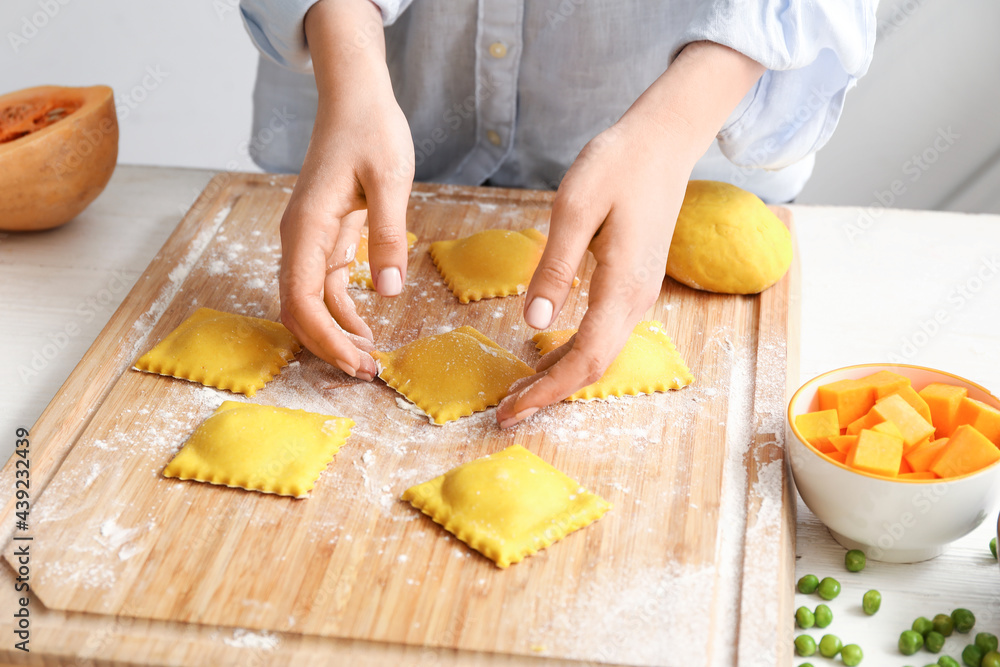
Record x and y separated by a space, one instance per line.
509 92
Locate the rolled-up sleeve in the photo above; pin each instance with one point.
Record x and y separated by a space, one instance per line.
814 53
278 31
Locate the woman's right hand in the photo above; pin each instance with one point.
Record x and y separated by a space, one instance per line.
360 157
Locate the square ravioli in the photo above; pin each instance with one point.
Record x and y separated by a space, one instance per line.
223 350
261 448
490 263
451 375
359 272
648 363
507 506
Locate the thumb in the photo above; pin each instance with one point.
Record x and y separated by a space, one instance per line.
387 249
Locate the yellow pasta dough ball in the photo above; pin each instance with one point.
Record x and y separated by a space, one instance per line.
727 240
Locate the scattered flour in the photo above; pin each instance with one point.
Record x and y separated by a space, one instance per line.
263 640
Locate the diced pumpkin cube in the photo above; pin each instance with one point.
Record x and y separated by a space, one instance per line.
843 443
818 427
876 453
967 450
867 421
904 467
943 401
923 455
909 422
889 429
913 398
984 417
885 383
850 398
917 475
839 457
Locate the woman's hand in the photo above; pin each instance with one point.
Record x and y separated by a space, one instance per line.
621 198
360 157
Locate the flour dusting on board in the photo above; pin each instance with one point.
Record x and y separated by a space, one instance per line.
639 618
262 640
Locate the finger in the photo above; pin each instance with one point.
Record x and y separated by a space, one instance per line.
387 197
305 248
506 416
335 294
341 305
552 356
603 332
575 219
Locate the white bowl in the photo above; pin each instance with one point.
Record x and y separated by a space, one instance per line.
898 521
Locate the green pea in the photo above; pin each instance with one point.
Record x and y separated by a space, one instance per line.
804 618
944 624
871 602
808 584
934 641
923 625
991 659
993 547
805 645
829 588
910 641
824 616
851 655
830 645
964 620
972 656
986 642
947 661
854 560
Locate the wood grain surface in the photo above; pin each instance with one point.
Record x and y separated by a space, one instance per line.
697 551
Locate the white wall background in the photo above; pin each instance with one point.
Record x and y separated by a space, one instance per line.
184 70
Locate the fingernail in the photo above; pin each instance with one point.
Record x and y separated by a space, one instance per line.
390 282
507 423
539 313
524 414
347 369
362 375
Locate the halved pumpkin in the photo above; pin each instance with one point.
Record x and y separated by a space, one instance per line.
58 149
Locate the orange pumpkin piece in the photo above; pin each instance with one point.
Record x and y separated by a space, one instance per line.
984 417
868 421
967 450
886 383
917 475
904 467
908 394
843 443
839 457
923 455
943 401
889 429
850 398
58 149
877 453
896 410
818 427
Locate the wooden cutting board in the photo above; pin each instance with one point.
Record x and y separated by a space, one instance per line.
697 551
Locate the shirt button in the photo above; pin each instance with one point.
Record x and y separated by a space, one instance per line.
493 137
498 49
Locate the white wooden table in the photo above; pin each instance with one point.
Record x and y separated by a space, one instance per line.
877 285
